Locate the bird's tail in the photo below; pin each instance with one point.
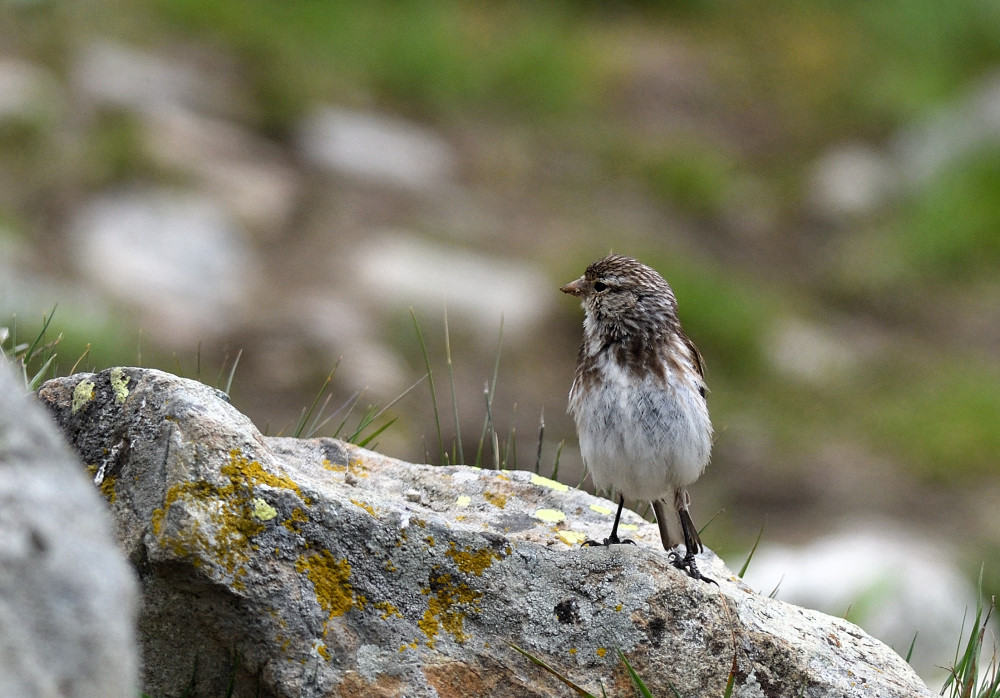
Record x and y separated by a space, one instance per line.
675 523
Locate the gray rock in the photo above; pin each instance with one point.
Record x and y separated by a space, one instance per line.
106 72
895 583
165 253
402 269
952 132
317 568
852 179
376 148
67 598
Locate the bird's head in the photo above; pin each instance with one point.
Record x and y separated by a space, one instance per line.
623 297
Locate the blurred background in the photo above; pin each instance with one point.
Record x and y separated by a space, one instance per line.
185 180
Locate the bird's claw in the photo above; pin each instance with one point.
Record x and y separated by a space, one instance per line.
687 563
612 540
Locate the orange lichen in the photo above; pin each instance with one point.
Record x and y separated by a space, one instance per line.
331 582
497 500
443 608
366 507
472 562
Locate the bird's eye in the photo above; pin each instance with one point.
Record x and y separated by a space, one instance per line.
600 286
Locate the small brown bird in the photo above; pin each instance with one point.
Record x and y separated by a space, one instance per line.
638 398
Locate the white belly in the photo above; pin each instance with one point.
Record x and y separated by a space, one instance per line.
643 439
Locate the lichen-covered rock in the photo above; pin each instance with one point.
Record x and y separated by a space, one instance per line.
317 568
67 597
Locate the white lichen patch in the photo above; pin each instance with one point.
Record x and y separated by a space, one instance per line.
83 393
119 385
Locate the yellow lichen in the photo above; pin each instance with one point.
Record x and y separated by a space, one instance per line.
331 582
332 466
262 510
472 562
550 515
497 500
572 537
599 509
83 393
546 482
251 472
443 612
319 649
387 609
601 651
463 501
228 516
298 517
108 488
356 466
366 507
119 385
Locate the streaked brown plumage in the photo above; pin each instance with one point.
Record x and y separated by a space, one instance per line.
638 397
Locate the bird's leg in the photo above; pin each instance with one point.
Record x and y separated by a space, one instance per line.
613 539
691 544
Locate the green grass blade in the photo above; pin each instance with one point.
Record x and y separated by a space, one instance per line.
36 380
46 320
913 643
306 414
541 439
430 382
555 465
232 372
460 456
538 662
637 683
490 391
753 549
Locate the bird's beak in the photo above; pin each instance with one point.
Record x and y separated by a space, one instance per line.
574 288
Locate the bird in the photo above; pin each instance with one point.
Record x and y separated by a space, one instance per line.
639 399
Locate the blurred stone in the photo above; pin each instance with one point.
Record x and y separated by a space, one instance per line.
27 91
951 133
110 73
851 179
809 352
889 581
401 270
67 596
245 173
377 148
178 258
281 567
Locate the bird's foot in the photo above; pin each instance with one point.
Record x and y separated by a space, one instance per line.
613 539
687 564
